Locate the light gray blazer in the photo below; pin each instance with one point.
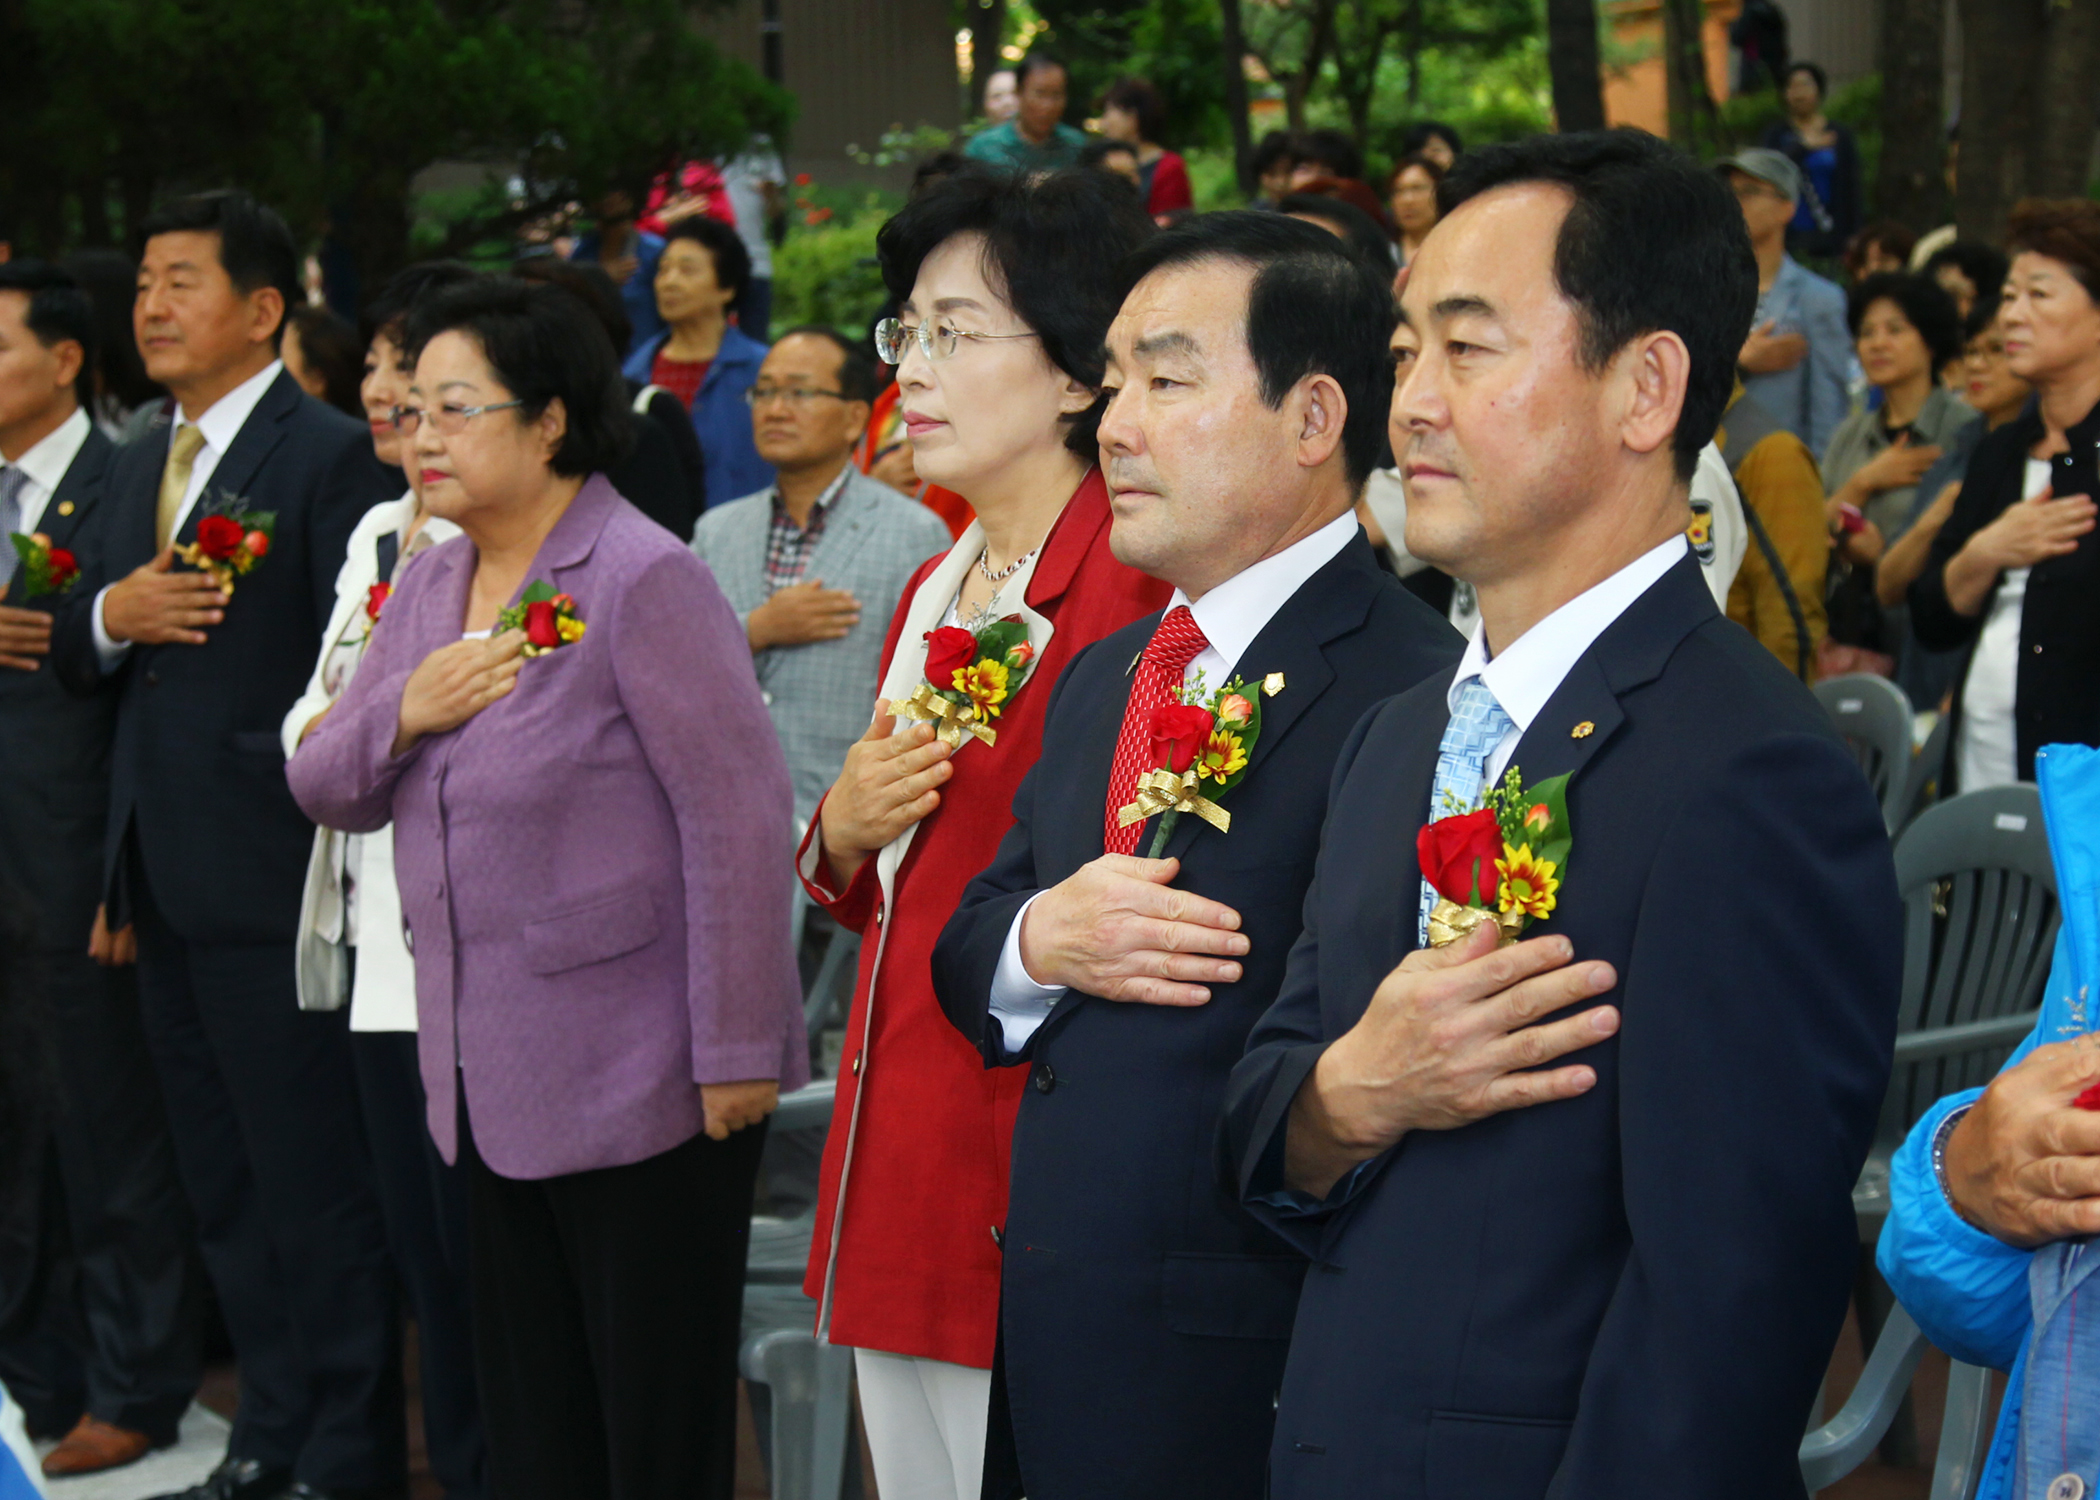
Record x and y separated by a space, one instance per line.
820 695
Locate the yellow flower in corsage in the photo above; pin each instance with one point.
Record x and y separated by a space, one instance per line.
1500 862
970 677
1205 737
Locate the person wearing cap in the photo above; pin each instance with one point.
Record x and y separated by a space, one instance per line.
1797 361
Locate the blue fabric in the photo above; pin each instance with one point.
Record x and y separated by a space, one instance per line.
16 1456
1821 166
1971 1292
1811 399
638 292
2061 1432
1476 727
721 420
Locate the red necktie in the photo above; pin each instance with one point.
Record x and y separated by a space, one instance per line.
1161 668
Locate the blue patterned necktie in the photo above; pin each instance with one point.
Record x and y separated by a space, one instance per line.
12 482
1476 728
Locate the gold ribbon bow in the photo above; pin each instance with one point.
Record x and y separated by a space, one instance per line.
1162 791
951 720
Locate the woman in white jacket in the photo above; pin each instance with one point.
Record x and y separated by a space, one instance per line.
352 948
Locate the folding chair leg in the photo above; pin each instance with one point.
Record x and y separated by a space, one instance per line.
811 1389
1965 1433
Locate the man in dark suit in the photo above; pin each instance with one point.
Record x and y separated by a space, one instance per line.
110 1361
1143 1314
1621 1275
207 850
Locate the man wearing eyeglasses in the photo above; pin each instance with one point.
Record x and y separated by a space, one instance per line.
815 563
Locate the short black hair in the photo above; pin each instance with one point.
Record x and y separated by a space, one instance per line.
1334 150
1134 96
1813 70
1984 265
1360 232
1052 244
542 343
1037 59
1094 155
1313 309
1276 147
1422 132
331 348
59 312
732 260
1982 314
590 284
111 280
856 375
1924 304
1653 242
256 247
935 170
387 313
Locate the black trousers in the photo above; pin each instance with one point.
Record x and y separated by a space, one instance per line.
606 1312
264 1111
114 1324
424 1203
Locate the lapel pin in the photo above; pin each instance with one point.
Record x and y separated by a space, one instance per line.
1582 731
65 507
1272 684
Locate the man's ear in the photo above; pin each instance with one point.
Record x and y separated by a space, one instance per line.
268 317
1652 373
1322 413
70 358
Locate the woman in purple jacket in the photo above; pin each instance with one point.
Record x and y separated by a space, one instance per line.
590 810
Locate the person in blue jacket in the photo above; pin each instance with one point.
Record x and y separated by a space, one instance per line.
702 357
1996 1194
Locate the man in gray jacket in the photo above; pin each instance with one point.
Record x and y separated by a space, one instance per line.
815 564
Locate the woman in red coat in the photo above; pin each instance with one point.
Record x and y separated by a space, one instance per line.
1009 287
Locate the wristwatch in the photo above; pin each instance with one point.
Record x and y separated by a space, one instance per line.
1939 1156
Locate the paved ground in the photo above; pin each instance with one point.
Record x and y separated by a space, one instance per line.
202 1444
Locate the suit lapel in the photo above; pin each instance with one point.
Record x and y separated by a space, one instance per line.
257 439
845 530
68 508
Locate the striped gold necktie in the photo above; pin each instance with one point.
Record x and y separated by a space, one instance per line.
175 481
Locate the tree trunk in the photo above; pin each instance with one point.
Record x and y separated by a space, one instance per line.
1693 115
987 33
1908 186
1576 67
1414 54
1232 56
1299 84
1998 72
2064 113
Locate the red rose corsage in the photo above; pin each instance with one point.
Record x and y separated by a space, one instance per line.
45 569
549 619
231 540
1500 862
970 677
1207 737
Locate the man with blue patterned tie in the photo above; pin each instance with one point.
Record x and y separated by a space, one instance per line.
1580 1207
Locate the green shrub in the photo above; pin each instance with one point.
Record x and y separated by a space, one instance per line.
825 273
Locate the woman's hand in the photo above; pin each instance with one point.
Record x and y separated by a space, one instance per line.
889 783
1906 557
1895 466
2024 534
456 682
729 1107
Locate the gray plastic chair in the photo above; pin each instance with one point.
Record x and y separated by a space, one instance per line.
1874 717
1842 1444
1928 772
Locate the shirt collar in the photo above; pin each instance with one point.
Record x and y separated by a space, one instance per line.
1530 670
1239 609
222 421
48 458
822 505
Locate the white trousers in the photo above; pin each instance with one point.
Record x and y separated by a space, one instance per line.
925 1420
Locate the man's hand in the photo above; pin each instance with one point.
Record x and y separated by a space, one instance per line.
112 950
802 613
1448 1039
1116 928
729 1107
1767 353
2024 1164
456 682
889 782
25 638
157 606
895 468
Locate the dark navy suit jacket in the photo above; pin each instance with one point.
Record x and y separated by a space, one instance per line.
198 777
1630 1295
1143 1313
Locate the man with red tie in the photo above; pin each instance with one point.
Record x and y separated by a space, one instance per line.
1144 1316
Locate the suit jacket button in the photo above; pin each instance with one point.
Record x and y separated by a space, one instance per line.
152 678
1045 1078
856 1064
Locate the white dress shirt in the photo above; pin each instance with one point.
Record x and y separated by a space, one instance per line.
44 466
1230 617
1989 752
220 423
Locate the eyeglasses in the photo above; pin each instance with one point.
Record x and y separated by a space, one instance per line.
936 340
794 396
449 420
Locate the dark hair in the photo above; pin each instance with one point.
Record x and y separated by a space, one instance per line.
588 284
1813 70
255 247
732 260
935 169
1984 265
111 278
543 343
856 375
1094 155
1428 164
1052 244
1422 132
58 311
1136 97
1652 243
1313 309
1982 314
1895 237
1277 146
331 349
1038 58
1334 150
2065 229
1360 232
388 312
1924 304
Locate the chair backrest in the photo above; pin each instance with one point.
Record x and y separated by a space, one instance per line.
1980 920
1928 773
1873 715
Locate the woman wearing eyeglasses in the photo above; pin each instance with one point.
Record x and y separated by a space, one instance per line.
557 714
1008 288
